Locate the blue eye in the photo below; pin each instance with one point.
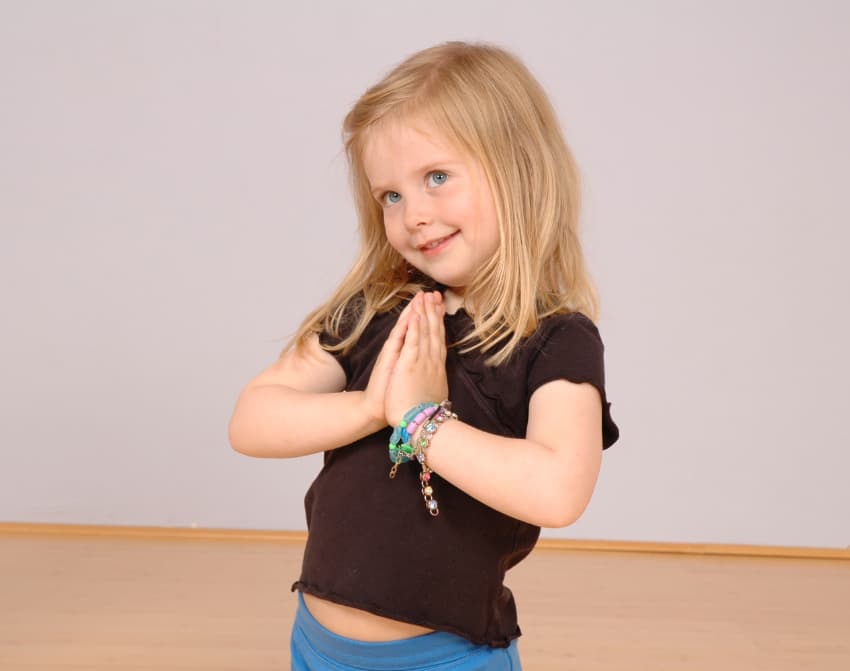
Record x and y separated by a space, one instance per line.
439 177
391 197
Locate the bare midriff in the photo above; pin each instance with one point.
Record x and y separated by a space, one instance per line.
359 624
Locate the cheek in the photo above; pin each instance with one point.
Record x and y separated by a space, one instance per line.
486 225
490 239
393 233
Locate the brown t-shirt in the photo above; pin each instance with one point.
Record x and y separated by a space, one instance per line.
371 542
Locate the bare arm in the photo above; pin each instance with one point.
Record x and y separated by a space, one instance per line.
297 406
545 479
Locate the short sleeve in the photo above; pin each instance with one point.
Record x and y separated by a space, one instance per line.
569 347
347 324
326 339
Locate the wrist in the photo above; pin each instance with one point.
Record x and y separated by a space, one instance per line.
424 433
400 412
374 415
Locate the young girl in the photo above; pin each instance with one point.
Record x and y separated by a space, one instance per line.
454 381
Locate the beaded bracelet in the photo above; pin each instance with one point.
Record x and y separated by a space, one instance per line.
443 413
428 417
400 450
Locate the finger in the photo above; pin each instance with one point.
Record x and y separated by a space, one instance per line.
439 343
407 308
387 358
425 326
410 350
395 338
404 315
435 325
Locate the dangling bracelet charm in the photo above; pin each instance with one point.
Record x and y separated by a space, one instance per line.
428 429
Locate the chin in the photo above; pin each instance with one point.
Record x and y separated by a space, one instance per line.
448 283
451 280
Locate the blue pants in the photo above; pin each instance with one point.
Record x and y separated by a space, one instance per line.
315 648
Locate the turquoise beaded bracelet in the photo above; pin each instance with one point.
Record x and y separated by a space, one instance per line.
400 449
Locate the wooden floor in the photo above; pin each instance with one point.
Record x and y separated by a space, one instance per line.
137 604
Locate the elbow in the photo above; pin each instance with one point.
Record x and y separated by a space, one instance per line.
243 430
571 489
237 439
561 517
563 509
233 436
236 428
246 438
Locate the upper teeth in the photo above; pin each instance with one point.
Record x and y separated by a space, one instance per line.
431 245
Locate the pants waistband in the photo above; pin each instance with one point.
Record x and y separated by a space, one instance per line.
416 652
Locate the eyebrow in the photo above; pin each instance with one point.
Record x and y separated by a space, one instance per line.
378 189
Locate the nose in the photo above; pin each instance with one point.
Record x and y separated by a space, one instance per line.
418 212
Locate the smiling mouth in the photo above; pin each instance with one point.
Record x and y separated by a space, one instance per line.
436 243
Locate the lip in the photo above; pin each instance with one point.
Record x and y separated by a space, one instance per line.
444 241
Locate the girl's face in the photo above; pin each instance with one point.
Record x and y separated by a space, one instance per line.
439 212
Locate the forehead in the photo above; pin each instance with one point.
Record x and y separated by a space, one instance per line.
404 143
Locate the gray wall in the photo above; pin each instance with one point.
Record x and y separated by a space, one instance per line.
173 201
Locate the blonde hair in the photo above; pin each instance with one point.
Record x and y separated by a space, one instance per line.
485 101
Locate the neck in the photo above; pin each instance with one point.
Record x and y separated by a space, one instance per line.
453 300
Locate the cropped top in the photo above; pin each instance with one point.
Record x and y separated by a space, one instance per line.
372 544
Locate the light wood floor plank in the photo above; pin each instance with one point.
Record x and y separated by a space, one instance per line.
133 604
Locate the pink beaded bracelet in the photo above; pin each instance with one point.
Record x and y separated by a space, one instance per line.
413 426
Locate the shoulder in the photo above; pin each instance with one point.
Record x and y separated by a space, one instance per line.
567 331
567 320
565 346
306 367
365 336
347 317
341 320
569 347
